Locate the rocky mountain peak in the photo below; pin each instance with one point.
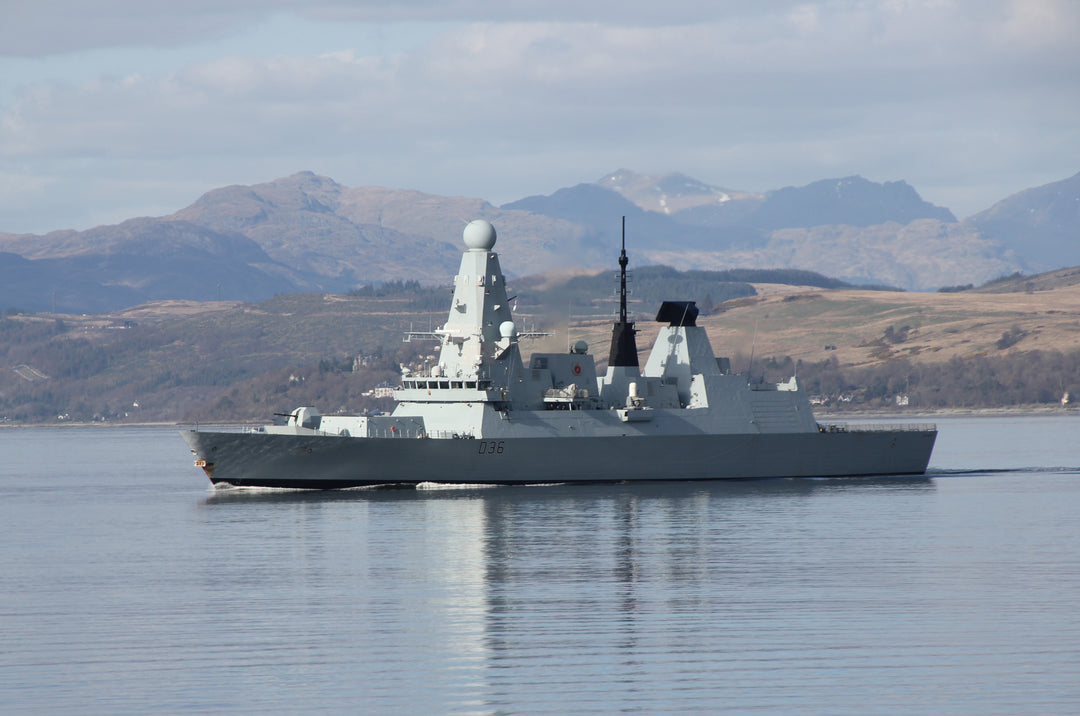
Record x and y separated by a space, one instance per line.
849 201
664 193
1040 222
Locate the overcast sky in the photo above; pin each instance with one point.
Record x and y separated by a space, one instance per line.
120 108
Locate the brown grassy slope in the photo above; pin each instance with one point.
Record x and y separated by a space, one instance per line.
802 323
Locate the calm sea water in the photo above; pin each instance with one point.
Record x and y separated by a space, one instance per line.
127 585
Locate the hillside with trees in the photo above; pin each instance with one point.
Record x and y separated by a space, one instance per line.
182 361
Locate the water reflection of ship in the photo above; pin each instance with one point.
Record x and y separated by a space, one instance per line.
532 578
618 565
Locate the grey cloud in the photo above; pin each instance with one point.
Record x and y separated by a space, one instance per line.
39 28
941 94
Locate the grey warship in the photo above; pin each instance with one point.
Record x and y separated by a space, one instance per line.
481 415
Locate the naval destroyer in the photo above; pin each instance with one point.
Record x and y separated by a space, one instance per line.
482 415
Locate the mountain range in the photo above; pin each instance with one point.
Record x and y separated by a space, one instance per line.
308 233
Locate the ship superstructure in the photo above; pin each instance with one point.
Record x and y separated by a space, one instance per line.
481 414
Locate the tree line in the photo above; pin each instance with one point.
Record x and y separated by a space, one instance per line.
982 381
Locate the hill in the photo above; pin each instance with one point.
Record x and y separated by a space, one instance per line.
182 360
299 233
1020 283
141 259
921 256
1041 224
308 233
594 207
852 228
850 201
672 192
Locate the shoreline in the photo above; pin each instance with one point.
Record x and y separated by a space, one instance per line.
1012 410
821 415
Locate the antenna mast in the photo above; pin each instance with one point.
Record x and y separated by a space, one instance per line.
623 261
623 350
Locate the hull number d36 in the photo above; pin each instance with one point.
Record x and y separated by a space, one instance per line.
490 447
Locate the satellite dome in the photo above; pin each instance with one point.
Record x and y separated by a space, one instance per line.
581 348
479 235
507 329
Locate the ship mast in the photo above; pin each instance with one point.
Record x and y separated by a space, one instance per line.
623 350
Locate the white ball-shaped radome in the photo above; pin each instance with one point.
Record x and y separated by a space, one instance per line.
507 329
479 235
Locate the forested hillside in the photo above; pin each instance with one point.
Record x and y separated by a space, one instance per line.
186 361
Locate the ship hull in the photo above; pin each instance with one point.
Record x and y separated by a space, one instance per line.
332 462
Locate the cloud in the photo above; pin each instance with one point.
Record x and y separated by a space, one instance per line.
37 28
750 95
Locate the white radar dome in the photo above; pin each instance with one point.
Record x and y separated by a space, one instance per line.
479 235
507 329
581 347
